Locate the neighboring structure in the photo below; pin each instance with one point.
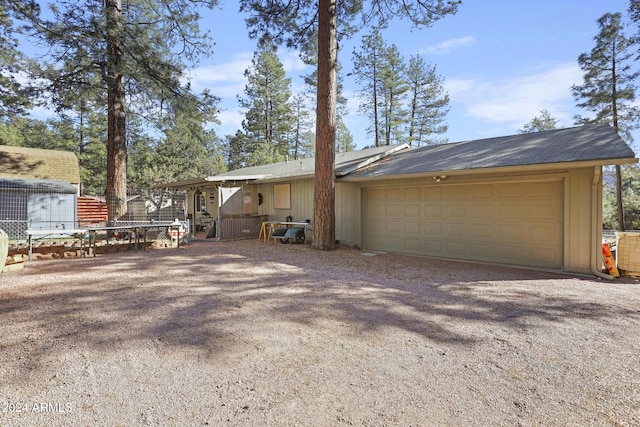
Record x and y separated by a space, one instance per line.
36 163
38 189
530 200
92 212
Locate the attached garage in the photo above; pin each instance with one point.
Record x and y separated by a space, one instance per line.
517 222
531 200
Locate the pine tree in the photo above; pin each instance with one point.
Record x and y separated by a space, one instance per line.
132 50
545 121
14 96
429 104
608 89
302 146
269 114
235 153
367 66
344 139
394 89
296 24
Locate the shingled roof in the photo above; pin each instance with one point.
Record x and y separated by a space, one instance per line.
345 163
593 144
23 162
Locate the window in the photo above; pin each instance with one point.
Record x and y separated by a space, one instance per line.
282 196
199 202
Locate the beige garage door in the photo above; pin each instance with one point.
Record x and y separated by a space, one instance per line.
514 223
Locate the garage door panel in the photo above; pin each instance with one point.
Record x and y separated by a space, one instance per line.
510 232
433 211
393 227
483 210
544 211
510 211
457 210
507 252
510 190
456 229
393 211
432 228
377 212
431 247
456 248
394 194
414 245
481 231
413 194
456 192
412 227
540 233
517 223
413 210
478 192
542 189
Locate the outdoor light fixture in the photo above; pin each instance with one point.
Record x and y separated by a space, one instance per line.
440 178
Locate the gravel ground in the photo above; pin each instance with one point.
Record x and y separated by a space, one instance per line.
253 333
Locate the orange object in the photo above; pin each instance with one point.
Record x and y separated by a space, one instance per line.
609 261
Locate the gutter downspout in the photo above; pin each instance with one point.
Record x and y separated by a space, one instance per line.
597 247
219 224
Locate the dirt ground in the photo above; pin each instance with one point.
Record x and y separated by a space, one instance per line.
254 333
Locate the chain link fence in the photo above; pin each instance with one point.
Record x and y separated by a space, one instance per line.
33 204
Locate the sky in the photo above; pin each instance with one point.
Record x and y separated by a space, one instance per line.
502 62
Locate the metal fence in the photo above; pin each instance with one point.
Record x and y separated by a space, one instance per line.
31 204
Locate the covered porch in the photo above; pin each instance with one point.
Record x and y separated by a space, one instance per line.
220 208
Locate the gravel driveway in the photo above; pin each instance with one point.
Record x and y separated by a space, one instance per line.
253 333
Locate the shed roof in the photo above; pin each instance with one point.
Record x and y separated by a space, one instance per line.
23 162
37 185
596 144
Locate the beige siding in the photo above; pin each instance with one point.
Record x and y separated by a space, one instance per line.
580 226
301 201
348 213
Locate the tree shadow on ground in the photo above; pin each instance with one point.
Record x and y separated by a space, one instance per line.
214 298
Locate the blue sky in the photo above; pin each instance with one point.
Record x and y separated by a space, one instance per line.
502 61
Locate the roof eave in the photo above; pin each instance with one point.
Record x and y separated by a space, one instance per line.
501 169
369 160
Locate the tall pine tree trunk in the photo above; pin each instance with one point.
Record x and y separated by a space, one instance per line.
116 142
324 215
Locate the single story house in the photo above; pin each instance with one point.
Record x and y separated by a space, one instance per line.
532 200
38 189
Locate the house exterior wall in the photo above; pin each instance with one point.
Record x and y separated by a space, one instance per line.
301 197
578 231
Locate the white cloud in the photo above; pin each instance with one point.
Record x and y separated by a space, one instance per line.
519 99
449 45
230 122
224 80
291 62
